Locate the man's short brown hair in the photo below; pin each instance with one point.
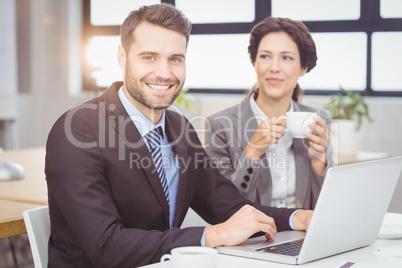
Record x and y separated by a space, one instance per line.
163 15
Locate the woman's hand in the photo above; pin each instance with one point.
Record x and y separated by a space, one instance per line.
268 132
318 141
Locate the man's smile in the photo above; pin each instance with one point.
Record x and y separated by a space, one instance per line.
159 87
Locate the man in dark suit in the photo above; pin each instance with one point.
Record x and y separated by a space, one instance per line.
115 200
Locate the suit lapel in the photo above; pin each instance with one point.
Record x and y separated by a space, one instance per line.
302 171
247 121
174 130
122 123
302 165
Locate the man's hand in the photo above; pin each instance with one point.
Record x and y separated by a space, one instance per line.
301 220
238 228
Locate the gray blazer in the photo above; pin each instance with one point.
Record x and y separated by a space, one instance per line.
230 131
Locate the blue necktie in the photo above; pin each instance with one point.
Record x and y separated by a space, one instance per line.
154 141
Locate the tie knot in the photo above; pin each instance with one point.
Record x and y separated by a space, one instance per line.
154 137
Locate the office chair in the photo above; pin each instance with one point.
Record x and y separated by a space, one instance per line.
37 222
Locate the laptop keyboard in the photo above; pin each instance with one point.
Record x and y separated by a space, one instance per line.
291 248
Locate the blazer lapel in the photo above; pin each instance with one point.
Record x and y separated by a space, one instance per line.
174 130
302 163
120 120
247 122
302 172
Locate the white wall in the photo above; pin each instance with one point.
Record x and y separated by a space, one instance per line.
8 48
48 95
8 69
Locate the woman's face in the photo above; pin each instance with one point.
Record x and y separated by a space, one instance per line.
277 66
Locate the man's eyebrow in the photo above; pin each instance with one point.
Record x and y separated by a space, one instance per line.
147 53
155 53
179 55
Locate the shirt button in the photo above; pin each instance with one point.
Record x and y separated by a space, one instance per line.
246 178
250 170
282 179
243 185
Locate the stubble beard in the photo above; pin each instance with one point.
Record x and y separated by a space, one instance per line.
156 102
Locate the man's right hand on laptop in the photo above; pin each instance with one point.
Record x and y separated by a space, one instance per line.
238 228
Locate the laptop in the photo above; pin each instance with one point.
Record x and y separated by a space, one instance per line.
349 212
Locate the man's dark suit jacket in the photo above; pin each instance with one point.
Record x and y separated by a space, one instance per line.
107 205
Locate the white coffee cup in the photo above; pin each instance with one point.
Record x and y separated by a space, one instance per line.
297 123
194 257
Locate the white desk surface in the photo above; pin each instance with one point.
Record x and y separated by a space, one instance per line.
382 253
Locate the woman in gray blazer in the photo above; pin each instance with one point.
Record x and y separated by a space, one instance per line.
248 142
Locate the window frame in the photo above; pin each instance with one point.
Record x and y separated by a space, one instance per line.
369 22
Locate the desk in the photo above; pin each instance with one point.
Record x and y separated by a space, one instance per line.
372 256
11 220
19 195
31 189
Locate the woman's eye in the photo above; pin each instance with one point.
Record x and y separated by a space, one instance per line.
265 57
288 58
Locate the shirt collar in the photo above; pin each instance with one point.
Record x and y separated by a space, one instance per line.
259 114
142 123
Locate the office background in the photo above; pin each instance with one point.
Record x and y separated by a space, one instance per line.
41 67
42 71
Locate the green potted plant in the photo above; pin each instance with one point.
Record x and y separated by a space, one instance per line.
348 110
349 106
184 101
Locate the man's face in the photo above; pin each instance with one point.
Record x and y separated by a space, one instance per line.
154 67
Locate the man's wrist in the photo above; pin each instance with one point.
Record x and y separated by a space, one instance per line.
211 236
203 239
301 219
291 219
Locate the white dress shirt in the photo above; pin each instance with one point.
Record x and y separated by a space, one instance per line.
169 160
281 161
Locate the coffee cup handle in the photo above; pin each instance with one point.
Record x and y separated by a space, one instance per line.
164 258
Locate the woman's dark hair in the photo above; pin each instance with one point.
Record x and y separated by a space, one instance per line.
300 35
163 15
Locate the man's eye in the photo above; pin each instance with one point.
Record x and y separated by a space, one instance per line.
175 60
149 58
